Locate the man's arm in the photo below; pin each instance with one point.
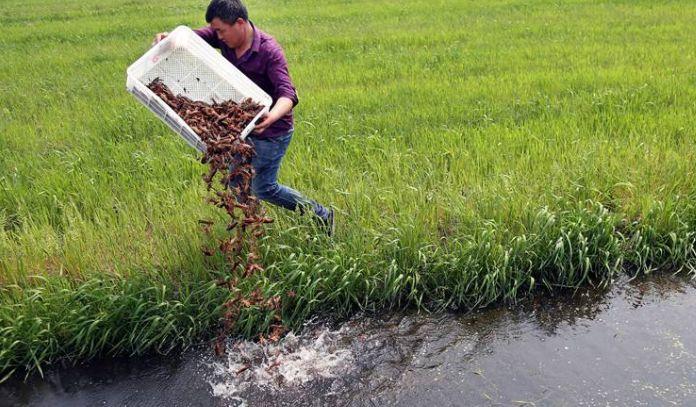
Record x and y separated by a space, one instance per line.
277 71
283 90
282 107
206 33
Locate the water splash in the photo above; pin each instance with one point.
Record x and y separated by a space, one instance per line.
295 360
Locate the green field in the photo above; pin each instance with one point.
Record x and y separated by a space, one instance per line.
475 152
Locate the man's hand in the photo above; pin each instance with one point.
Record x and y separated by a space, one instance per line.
264 121
159 37
282 106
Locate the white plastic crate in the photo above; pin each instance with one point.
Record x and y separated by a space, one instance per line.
190 67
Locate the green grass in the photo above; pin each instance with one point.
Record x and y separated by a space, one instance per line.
476 152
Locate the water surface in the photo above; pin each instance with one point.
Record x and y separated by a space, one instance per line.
633 345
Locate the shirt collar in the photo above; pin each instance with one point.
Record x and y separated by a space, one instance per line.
256 42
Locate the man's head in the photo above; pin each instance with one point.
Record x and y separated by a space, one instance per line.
229 20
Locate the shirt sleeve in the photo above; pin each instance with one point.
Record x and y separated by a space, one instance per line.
208 35
279 76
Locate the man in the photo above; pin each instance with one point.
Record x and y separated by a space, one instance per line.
261 58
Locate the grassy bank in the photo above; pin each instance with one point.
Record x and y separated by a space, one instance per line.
475 151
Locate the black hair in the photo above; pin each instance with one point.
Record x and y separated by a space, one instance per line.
226 10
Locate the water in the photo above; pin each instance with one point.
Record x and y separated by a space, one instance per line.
633 345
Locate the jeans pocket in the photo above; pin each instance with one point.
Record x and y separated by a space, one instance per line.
284 139
280 144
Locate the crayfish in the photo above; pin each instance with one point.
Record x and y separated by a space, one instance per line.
229 159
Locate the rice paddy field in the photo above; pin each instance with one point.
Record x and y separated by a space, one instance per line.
476 152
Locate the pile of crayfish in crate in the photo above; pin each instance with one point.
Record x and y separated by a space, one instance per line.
219 125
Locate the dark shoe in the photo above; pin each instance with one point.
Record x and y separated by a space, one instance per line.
327 224
331 224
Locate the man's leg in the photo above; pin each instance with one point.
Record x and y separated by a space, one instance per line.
266 163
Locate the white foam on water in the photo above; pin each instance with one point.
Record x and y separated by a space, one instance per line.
293 361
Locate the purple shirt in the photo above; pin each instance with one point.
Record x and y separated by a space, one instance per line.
264 63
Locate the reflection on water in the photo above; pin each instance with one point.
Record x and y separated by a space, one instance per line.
633 345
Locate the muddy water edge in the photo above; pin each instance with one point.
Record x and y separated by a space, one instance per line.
634 344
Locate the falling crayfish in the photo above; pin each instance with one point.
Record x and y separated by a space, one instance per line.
229 159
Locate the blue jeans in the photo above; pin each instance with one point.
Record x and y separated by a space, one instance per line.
265 186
